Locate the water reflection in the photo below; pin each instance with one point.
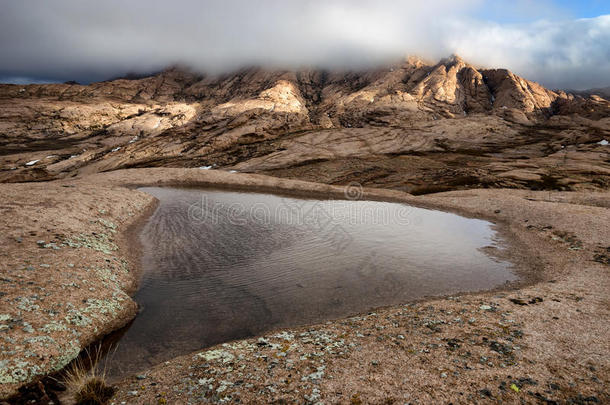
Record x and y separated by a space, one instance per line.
225 265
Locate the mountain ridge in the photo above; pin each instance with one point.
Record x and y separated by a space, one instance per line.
304 123
489 88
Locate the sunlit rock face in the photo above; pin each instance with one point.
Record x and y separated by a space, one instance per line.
512 91
412 125
283 97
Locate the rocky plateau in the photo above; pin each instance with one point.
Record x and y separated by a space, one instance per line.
412 126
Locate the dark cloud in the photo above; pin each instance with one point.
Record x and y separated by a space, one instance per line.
79 40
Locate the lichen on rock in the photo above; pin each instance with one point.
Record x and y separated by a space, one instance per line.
99 241
102 306
216 354
18 371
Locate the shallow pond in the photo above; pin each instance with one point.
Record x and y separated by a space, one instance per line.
222 265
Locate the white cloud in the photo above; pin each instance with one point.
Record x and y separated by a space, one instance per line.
72 39
559 54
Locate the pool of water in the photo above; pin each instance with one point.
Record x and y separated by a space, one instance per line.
221 265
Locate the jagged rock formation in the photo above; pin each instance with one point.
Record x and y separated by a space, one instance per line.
414 126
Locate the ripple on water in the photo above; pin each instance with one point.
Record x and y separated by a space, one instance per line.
224 265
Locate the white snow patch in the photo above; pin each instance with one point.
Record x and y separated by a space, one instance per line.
603 142
135 138
32 163
232 171
116 149
51 156
73 156
205 167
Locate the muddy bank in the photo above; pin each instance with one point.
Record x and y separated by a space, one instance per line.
67 290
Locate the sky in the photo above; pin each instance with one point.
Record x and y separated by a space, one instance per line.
559 43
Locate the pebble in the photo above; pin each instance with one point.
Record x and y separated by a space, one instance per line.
485 307
485 392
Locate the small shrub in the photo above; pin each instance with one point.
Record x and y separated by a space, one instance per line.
94 392
85 383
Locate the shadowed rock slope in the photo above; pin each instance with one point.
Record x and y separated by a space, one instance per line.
412 126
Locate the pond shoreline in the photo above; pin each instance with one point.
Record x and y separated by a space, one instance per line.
243 263
474 203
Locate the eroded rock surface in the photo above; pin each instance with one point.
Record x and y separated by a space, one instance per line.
64 283
412 126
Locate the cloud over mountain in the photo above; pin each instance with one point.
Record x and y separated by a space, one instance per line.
71 39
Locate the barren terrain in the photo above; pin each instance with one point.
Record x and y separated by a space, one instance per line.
414 127
478 142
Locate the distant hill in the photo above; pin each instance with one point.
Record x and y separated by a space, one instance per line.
601 91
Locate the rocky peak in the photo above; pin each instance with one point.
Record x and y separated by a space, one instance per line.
415 62
453 60
456 83
512 91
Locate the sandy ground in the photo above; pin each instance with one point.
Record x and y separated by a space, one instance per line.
67 270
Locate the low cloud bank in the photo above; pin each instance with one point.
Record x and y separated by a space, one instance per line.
84 41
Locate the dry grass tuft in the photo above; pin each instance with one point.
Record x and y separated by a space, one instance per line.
85 383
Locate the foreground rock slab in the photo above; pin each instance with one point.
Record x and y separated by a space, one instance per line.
542 342
66 276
